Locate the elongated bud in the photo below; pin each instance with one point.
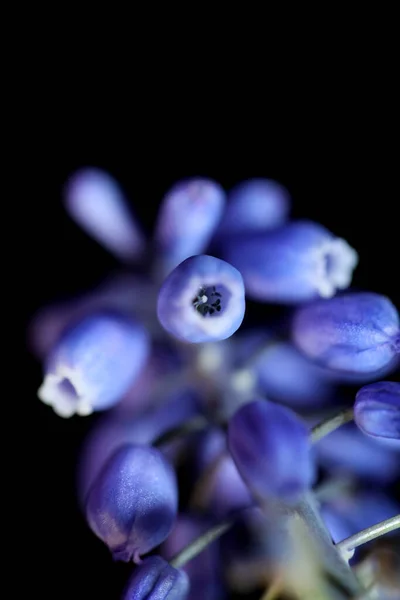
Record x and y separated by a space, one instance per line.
187 219
95 201
356 332
254 205
271 449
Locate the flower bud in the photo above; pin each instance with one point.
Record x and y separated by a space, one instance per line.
377 409
155 579
356 332
132 503
271 449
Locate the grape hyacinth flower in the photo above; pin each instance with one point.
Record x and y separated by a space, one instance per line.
356 332
93 364
96 202
155 579
216 407
377 409
253 205
202 300
271 449
132 503
187 219
295 263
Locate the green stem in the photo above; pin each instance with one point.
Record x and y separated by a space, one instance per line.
200 543
368 534
332 423
197 423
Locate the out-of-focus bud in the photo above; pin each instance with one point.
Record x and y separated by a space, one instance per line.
356 332
377 409
155 579
93 364
271 449
254 205
202 300
132 503
295 263
188 217
96 202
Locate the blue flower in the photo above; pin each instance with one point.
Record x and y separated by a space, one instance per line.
96 202
256 204
187 219
271 449
297 262
356 332
155 579
377 409
93 364
132 503
202 300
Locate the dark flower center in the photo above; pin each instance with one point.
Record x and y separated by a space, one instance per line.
207 301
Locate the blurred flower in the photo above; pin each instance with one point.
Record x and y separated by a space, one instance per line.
297 262
93 364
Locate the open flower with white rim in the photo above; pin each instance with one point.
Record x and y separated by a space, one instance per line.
294 263
93 364
202 300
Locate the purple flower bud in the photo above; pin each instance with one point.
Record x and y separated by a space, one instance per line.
93 364
155 579
349 450
256 204
203 570
294 263
377 409
95 201
116 430
285 375
132 503
271 449
187 219
356 332
202 300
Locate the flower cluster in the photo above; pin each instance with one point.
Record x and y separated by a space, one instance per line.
227 460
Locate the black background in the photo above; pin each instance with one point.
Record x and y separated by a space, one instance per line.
340 168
